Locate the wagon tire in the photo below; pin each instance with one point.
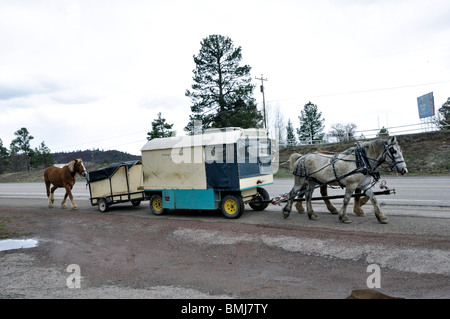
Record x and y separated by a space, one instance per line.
136 202
232 206
156 205
258 203
103 205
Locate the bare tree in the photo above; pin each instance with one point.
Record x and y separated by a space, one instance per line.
343 132
277 122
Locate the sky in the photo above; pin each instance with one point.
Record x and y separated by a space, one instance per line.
94 74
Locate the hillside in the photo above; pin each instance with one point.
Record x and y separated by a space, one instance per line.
424 153
93 160
94 156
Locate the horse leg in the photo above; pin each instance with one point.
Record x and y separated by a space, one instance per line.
331 208
298 204
63 203
311 214
47 188
359 201
69 193
298 183
380 216
51 197
342 213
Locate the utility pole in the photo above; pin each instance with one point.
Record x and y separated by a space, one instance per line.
264 101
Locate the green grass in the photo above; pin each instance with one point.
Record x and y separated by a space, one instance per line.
4 232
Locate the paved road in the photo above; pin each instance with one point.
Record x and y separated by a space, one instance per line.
414 196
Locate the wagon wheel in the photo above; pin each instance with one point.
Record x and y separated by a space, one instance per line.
156 205
232 206
103 205
258 202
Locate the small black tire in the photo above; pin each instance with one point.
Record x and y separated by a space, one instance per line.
258 203
136 202
232 206
103 205
156 205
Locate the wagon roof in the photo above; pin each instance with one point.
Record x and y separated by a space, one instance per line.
108 171
210 137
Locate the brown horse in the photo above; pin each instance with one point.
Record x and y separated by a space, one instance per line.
63 177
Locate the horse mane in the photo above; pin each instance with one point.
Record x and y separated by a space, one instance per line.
373 146
71 164
293 158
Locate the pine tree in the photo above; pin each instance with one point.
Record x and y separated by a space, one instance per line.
42 157
21 151
222 91
290 136
4 158
311 124
444 119
160 128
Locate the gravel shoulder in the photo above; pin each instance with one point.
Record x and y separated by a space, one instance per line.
128 253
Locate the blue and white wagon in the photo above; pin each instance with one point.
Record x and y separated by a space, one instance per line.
219 169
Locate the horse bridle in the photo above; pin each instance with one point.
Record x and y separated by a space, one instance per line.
390 151
83 171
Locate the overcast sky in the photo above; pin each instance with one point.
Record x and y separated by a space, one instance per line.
94 74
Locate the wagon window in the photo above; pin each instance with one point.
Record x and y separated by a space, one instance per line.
219 153
264 153
214 153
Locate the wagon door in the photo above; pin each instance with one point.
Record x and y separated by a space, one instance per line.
221 167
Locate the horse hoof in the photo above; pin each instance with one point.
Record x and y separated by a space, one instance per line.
50 206
64 206
75 208
286 213
383 220
334 212
345 220
313 217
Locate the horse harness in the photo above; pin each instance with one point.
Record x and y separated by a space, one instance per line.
361 161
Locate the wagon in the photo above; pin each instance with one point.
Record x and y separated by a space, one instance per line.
221 169
116 183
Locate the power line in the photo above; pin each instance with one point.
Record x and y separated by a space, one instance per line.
368 91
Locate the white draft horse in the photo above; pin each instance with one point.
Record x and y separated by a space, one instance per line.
63 177
352 169
358 200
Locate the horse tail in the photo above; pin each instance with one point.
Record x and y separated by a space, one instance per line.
293 158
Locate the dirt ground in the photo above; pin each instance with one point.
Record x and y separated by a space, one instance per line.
129 253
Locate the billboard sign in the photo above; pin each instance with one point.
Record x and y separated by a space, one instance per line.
426 105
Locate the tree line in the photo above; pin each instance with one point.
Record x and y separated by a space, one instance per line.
21 157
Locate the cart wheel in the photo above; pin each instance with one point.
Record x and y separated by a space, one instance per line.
258 202
232 206
103 205
136 202
156 205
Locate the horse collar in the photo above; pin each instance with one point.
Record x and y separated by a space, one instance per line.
363 163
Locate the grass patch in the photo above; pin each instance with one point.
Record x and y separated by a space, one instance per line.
4 231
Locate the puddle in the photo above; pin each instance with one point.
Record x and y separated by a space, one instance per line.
7 244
